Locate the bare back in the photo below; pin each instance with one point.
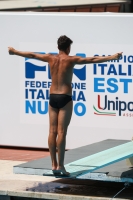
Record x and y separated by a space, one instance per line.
61 69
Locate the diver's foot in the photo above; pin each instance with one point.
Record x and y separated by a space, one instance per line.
62 170
54 166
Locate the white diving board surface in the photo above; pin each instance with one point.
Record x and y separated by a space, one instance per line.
99 160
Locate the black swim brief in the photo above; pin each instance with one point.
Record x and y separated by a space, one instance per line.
59 100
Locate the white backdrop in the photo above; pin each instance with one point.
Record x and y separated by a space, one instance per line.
102 93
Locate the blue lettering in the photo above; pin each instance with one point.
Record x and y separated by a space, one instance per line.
111 82
125 83
32 93
120 71
47 94
124 59
83 86
102 68
40 95
112 70
97 84
77 85
45 109
38 84
77 105
130 59
81 96
26 93
94 68
32 84
49 84
74 96
44 84
129 70
30 107
26 83
30 69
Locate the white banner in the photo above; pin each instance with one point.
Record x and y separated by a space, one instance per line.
102 92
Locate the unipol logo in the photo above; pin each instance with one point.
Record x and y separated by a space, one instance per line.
31 69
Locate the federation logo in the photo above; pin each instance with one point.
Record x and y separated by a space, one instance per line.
37 88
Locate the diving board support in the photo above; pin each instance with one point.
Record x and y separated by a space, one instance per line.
129 162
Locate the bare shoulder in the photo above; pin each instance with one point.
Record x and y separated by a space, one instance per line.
47 57
52 56
74 59
69 60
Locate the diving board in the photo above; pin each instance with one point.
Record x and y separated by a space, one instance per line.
99 160
116 172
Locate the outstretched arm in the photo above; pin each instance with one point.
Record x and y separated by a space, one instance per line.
43 57
96 59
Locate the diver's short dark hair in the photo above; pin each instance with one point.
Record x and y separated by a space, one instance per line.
64 42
